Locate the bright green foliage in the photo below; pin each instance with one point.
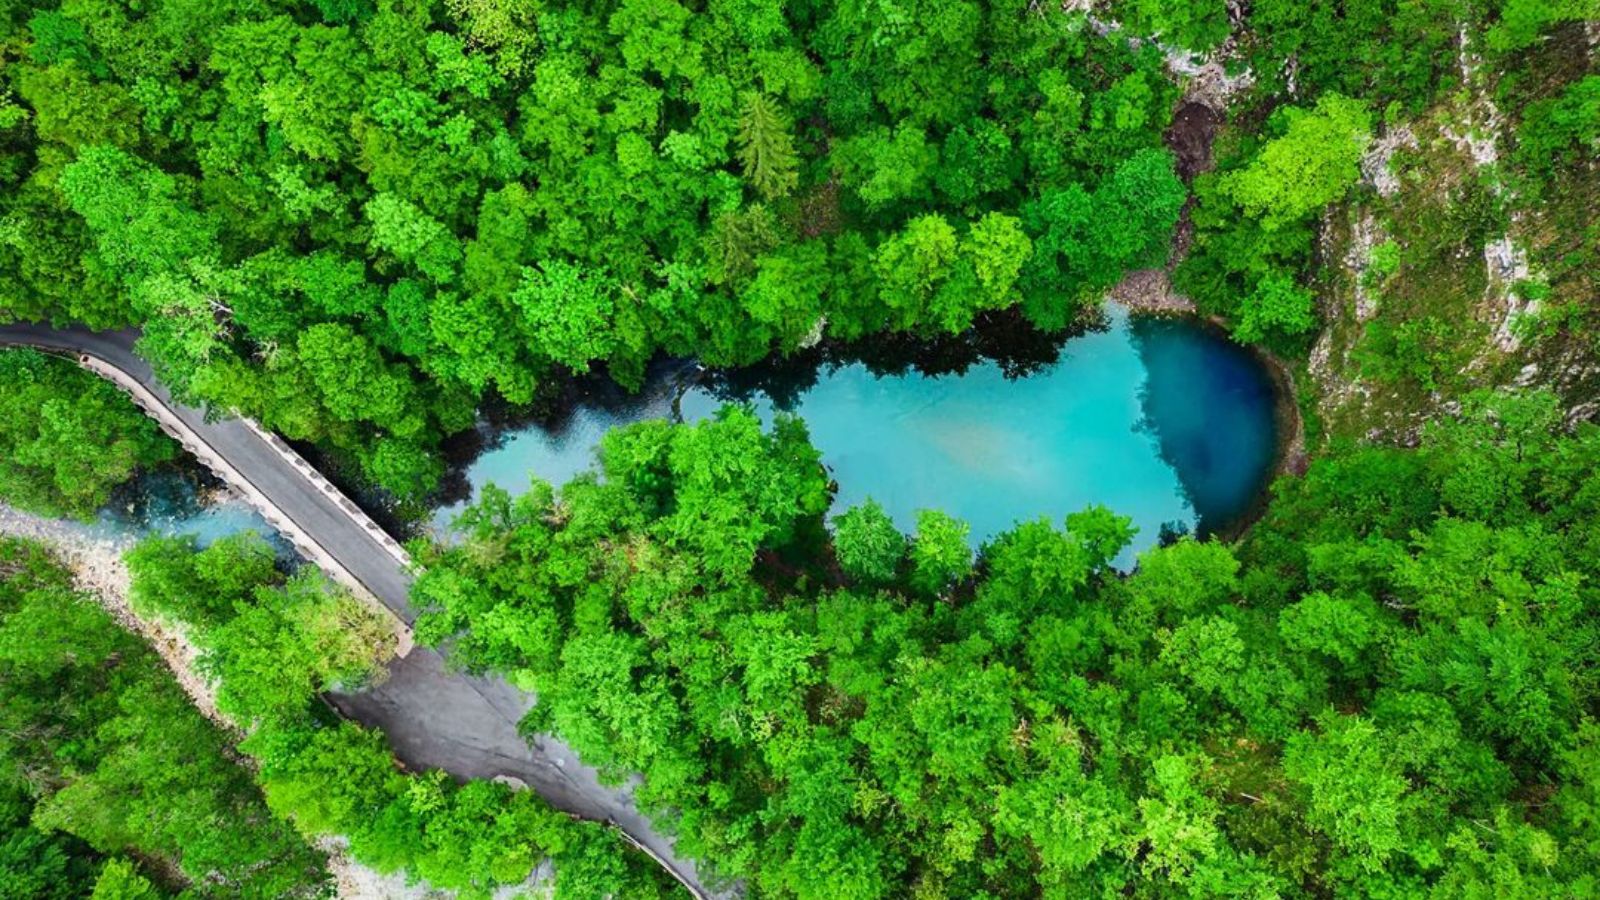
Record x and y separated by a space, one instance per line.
480 194
1314 162
351 379
1083 241
357 220
94 728
1253 222
272 644
733 489
1233 254
507 28
1424 351
1185 579
1191 24
998 249
403 466
68 437
940 556
1562 130
1383 261
867 544
342 780
1522 21
567 312
202 587
119 880
232 176
303 639
1354 785
142 226
413 236
932 278
1383 51
1276 305
268 643
1178 824
1379 690
1345 630
917 271
787 294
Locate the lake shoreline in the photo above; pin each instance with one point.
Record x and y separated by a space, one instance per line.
1041 423
1149 293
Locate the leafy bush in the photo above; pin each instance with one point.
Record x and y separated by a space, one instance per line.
1562 130
67 437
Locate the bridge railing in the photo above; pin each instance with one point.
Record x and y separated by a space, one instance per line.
302 541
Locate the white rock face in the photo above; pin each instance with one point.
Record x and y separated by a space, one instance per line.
1364 236
1506 265
1376 171
1208 80
1480 133
814 336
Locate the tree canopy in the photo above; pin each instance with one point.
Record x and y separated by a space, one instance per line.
67 437
359 220
1380 688
98 739
355 221
270 644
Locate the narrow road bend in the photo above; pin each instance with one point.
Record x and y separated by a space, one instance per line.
433 717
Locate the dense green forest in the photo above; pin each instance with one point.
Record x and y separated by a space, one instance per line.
104 760
364 222
1387 689
68 437
356 220
353 220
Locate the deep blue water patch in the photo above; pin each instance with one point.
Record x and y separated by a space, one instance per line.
1211 407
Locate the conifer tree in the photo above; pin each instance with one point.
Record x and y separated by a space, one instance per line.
766 149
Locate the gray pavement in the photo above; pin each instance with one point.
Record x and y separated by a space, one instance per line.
293 495
434 718
467 725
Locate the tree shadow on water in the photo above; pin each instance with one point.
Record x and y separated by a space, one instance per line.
1004 338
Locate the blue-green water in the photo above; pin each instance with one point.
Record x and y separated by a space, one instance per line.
1162 420
172 502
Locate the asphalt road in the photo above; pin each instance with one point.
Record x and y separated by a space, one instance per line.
293 495
434 718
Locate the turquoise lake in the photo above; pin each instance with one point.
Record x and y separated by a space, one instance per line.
1162 420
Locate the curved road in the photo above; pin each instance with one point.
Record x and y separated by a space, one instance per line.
433 717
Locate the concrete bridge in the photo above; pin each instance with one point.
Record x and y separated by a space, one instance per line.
434 717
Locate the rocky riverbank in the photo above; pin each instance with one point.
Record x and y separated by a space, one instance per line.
1150 291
